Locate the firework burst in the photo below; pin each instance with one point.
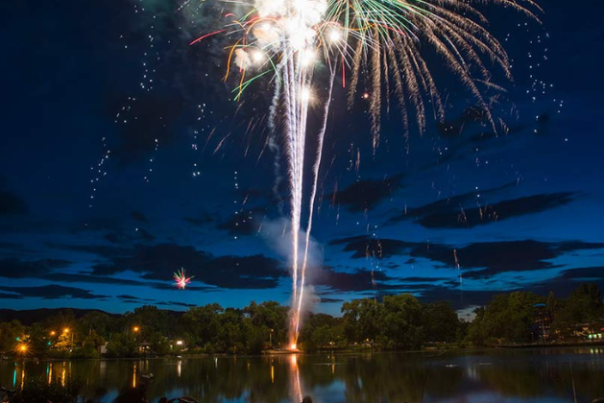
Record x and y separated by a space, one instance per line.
377 43
181 280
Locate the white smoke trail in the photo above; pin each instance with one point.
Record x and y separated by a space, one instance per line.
273 145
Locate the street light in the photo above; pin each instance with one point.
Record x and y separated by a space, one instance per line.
22 350
135 329
270 339
52 333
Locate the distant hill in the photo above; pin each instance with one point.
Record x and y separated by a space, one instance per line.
30 316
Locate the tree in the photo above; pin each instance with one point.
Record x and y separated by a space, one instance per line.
159 344
203 324
583 308
508 317
231 337
99 322
362 319
402 322
321 330
477 333
149 319
122 345
11 333
90 346
440 322
271 317
39 340
350 311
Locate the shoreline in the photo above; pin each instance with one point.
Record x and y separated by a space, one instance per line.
342 352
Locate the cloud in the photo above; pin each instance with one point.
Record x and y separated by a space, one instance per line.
367 194
131 299
52 291
138 216
560 285
16 268
16 248
325 300
91 279
469 218
202 220
357 280
170 286
247 272
105 251
457 297
422 279
50 269
11 204
158 262
125 296
488 258
583 273
365 246
121 237
10 296
497 257
173 303
448 204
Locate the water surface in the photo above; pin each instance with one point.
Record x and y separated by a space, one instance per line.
540 376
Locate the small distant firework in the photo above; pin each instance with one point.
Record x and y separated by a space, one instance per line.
181 280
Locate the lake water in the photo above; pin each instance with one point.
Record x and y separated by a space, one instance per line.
546 375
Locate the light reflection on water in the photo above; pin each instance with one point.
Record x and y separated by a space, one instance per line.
540 376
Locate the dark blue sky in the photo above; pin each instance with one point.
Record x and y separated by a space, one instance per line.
190 182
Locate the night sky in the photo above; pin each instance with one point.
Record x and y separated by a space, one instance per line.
123 158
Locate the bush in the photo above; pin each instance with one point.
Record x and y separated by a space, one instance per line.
37 390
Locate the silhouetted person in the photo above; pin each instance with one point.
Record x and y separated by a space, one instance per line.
307 399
